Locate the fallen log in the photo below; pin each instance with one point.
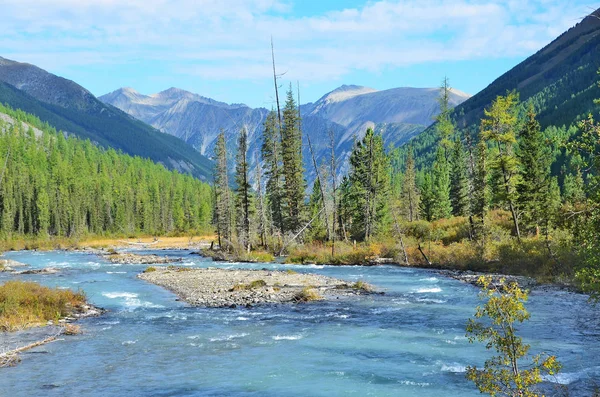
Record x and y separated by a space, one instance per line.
11 357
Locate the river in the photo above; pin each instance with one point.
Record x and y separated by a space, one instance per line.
408 342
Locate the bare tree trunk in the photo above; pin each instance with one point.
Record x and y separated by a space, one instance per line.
299 232
401 239
275 81
314 160
424 256
333 180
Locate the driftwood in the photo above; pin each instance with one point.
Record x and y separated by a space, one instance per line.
11 357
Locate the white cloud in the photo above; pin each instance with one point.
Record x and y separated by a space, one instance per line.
229 39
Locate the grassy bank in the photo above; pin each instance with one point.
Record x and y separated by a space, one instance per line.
28 304
447 245
102 242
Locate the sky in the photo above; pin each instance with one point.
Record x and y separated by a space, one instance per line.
221 48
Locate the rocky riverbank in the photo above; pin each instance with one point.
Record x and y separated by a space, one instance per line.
135 259
231 287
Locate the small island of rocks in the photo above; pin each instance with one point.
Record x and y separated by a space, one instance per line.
213 287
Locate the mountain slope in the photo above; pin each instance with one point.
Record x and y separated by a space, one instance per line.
559 80
347 111
69 107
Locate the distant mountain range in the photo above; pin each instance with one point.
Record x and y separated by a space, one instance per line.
71 108
560 81
399 114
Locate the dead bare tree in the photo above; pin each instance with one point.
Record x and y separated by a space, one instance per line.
314 161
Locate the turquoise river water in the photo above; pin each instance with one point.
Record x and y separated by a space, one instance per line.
408 342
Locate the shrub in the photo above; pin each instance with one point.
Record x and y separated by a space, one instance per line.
250 286
307 294
362 286
150 269
26 304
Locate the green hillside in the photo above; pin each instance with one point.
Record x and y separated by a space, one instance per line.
558 80
110 127
54 186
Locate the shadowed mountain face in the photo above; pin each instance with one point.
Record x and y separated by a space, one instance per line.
559 80
348 111
71 108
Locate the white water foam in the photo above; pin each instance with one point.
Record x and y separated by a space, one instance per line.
116 272
287 337
431 279
564 378
227 337
131 299
454 368
129 342
413 383
242 318
428 290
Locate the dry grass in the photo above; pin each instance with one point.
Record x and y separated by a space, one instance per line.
308 294
27 304
52 243
250 286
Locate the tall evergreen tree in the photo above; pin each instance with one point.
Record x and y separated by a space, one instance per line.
442 207
243 194
293 168
498 128
534 185
369 185
427 202
318 229
410 191
271 154
459 180
222 194
445 126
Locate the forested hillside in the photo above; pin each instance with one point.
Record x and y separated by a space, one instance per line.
69 107
559 80
67 187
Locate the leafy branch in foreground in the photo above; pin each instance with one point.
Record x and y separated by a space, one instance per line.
505 374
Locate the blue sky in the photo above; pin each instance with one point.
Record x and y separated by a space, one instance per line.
221 48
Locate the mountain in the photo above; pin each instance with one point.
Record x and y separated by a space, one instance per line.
71 108
399 114
559 80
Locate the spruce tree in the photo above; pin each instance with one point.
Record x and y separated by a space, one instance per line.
243 194
427 202
318 230
442 207
222 193
459 179
498 128
410 192
369 180
293 168
535 158
271 154
444 125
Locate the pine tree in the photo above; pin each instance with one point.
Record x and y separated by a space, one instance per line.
427 198
498 128
271 154
534 185
261 218
459 180
222 193
410 192
442 207
445 126
243 194
293 168
369 186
